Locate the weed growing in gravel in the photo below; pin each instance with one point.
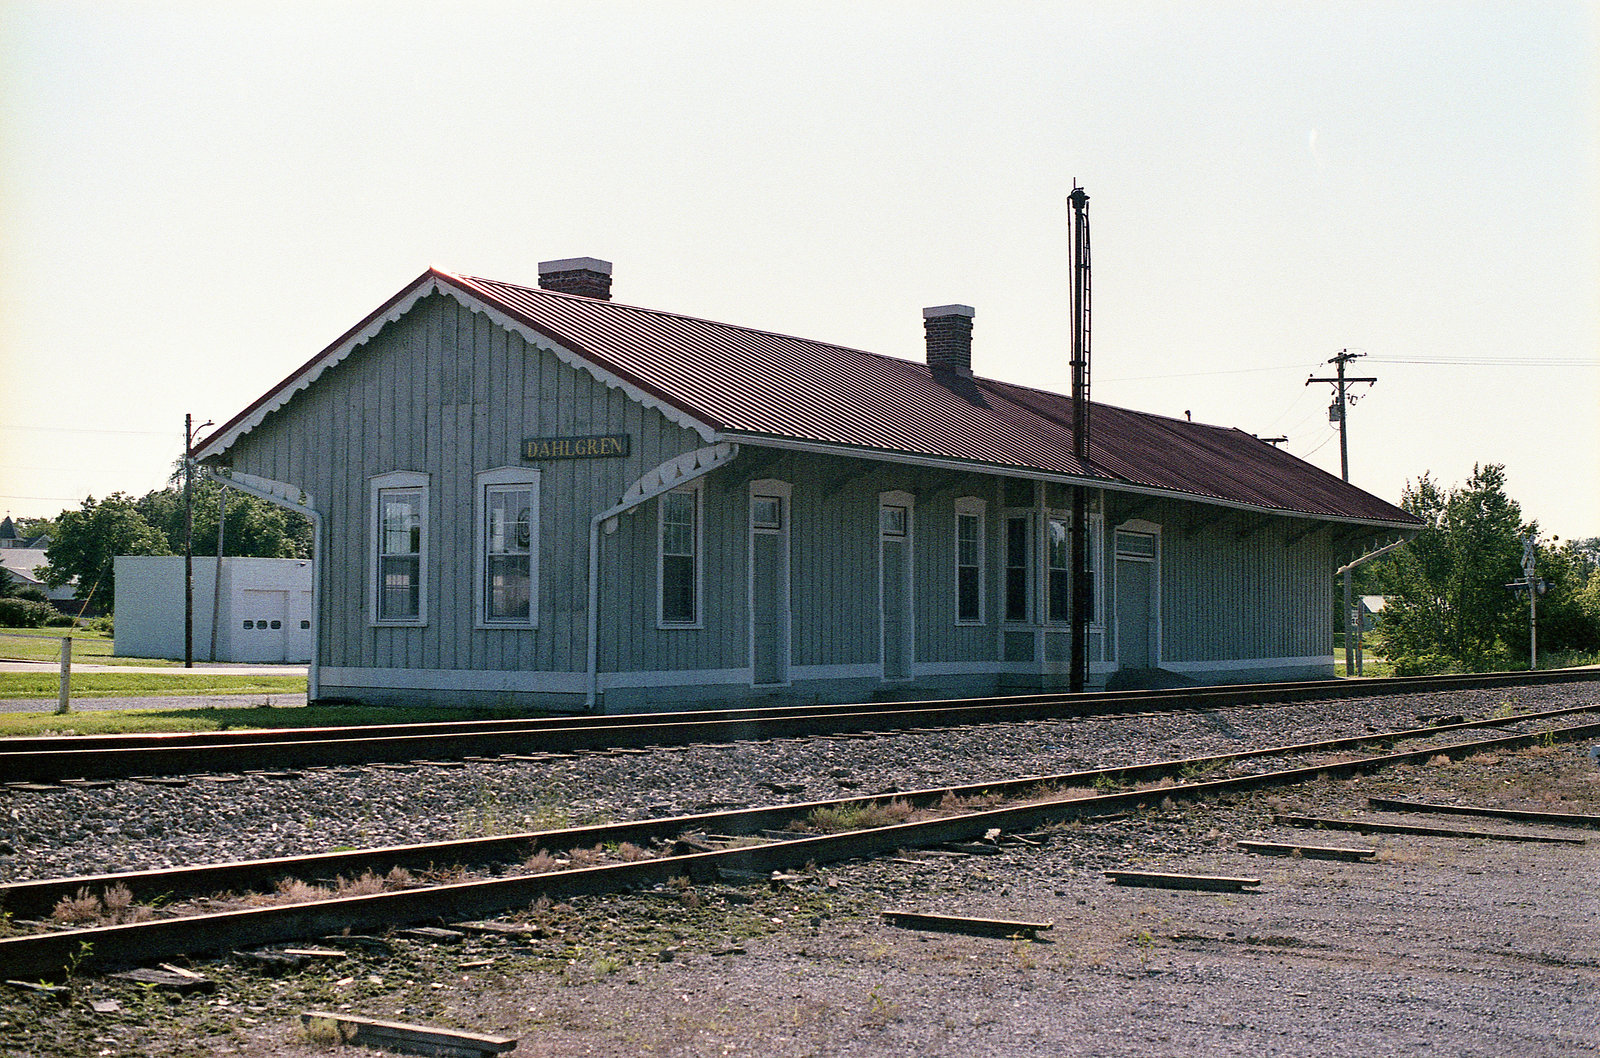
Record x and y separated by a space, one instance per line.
112 907
858 817
541 862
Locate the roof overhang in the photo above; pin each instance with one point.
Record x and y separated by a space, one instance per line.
1032 474
435 281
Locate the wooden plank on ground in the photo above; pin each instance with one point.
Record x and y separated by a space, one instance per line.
1559 819
1370 826
411 1039
1209 883
979 927
1310 852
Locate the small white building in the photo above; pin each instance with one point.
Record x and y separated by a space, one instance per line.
262 608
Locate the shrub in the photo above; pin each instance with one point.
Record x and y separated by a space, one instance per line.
24 613
60 620
31 592
103 624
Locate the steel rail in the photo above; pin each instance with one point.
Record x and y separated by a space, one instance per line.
1131 700
36 897
49 954
48 759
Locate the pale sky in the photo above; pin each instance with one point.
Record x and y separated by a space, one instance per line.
195 198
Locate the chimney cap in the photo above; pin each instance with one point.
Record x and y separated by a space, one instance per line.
574 264
937 311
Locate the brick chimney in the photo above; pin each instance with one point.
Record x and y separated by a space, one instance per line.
949 330
587 277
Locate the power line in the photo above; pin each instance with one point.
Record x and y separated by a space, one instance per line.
1489 361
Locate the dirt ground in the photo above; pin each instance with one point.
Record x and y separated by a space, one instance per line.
1443 946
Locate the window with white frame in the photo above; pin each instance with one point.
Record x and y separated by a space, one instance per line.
969 562
400 541
508 558
1058 562
680 558
1019 567
1058 569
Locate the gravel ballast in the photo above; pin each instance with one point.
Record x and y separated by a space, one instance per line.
1437 946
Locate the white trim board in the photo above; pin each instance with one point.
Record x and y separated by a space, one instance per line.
1245 664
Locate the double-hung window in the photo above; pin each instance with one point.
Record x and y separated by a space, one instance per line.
400 545
969 561
508 560
1019 566
680 558
1059 569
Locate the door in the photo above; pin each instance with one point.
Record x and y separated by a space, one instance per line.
1138 618
1133 613
769 587
263 635
894 585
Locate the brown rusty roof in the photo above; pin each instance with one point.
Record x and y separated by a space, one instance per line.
753 385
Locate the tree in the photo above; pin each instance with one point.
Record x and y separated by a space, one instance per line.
87 540
254 527
1446 587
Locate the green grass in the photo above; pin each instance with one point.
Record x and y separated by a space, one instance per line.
44 644
47 684
110 722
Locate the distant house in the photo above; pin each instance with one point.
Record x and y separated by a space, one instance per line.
22 557
263 611
540 496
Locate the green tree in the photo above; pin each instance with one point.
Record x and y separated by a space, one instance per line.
253 526
1447 600
86 542
1566 621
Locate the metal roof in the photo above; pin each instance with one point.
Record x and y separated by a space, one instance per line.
755 386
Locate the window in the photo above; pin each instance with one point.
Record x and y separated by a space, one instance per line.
400 540
680 558
507 564
766 512
1059 570
400 554
1018 580
508 536
277 624
250 624
969 561
892 520
1059 566
305 624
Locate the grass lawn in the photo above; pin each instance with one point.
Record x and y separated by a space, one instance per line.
44 644
139 684
244 717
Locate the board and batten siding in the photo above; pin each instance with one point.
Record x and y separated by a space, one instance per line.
446 392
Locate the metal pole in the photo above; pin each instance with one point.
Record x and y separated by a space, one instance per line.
1081 587
188 543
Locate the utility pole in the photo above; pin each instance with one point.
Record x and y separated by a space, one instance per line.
1531 584
1337 412
1082 589
188 538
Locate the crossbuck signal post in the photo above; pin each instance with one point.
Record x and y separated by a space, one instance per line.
1337 412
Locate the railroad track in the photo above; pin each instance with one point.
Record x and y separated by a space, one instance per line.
1034 801
120 756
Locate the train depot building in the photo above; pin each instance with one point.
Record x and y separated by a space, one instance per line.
540 497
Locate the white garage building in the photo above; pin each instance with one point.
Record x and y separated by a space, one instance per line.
262 608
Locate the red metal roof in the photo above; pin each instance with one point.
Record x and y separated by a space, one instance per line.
759 385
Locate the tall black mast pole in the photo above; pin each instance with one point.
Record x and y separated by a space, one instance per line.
1082 589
